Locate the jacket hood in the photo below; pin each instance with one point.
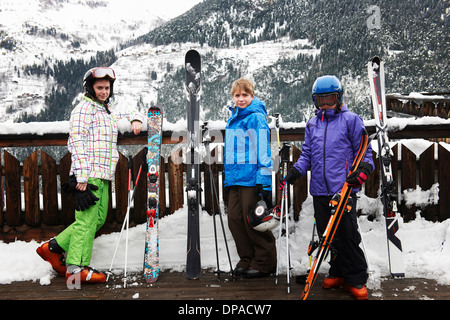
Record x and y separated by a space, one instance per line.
256 106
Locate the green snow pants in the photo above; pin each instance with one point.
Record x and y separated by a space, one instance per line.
78 238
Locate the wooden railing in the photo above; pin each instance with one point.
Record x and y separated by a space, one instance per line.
420 105
33 207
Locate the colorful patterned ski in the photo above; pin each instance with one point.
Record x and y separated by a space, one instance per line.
151 257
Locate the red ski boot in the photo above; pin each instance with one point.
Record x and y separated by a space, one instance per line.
55 259
359 291
332 282
84 275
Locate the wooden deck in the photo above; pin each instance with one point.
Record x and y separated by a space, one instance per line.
174 286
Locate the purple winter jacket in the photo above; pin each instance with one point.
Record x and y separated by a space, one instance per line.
332 141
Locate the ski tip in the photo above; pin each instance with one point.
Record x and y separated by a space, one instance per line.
154 108
376 59
398 275
192 52
151 278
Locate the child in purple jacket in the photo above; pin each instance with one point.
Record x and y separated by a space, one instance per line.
332 140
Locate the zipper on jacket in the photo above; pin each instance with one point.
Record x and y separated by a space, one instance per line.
324 156
110 142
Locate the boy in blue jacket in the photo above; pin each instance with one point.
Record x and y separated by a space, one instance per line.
332 140
247 169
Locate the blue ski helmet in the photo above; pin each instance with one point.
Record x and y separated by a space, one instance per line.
327 85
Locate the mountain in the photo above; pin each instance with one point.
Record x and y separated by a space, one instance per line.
411 36
283 45
46 46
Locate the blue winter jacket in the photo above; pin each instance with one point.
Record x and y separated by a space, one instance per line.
247 158
332 141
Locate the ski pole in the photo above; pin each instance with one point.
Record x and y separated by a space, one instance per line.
130 198
215 197
285 158
127 218
123 224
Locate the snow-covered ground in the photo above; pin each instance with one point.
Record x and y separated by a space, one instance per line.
426 248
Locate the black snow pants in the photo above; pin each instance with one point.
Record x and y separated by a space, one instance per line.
347 258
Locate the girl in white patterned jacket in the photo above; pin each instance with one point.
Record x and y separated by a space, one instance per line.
93 146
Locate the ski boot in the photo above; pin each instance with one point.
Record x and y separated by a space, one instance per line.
358 291
84 275
53 254
331 282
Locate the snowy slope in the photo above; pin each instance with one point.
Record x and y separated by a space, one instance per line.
46 31
135 64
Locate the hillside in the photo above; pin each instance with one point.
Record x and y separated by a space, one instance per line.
409 35
283 45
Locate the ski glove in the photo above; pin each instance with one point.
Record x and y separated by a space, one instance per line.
290 178
360 175
70 185
83 199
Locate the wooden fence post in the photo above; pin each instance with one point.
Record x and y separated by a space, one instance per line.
427 167
49 189
13 215
176 181
444 183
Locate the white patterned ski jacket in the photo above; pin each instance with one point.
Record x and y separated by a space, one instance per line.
93 140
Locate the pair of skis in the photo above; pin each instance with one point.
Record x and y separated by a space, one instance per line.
340 202
375 69
151 258
153 157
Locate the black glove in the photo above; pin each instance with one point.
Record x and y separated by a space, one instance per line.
290 178
359 176
265 193
70 185
85 199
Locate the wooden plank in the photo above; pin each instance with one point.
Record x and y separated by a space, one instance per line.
176 181
408 181
444 183
68 206
49 189
210 198
427 167
162 188
372 185
2 194
170 137
121 190
13 216
173 289
140 193
300 187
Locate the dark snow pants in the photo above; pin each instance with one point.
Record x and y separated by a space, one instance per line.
347 258
255 249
